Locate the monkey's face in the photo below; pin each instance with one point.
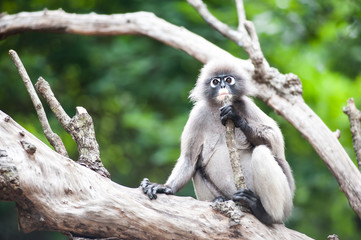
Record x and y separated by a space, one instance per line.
221 87
220 79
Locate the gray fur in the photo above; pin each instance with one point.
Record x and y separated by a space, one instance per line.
204 154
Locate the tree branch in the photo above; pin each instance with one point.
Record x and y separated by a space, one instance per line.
354 116
52 137
54 193
241 13
143 23
245 37
80 128
234 154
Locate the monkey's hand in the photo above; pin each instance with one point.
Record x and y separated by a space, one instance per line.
250 200
151 189
228 112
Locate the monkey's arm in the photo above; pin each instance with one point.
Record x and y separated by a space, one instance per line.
256 133
191 147
271 197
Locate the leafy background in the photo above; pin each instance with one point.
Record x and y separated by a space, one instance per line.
136 89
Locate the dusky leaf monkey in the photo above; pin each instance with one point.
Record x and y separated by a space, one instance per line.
204 154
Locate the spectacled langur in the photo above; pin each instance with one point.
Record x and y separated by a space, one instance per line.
204 153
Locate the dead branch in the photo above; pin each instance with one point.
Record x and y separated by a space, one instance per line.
138 23
354 116
234 154
80 128
52 137
245 36
54 193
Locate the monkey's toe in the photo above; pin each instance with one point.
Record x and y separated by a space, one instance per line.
220 199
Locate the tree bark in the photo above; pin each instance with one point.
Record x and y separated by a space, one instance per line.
54 193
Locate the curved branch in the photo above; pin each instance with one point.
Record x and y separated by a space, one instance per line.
54 193
143 23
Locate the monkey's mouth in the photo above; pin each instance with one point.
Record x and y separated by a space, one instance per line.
222 95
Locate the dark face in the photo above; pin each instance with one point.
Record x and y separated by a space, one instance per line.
224 85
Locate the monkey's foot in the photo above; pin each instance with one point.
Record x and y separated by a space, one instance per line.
250 200
220 199
151 189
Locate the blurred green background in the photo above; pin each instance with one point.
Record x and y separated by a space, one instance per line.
136 89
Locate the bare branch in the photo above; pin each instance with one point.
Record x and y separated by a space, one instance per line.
80 127
332 237
234 154
52 137
224 29
241 14
60 195
245 37
143 23
354 116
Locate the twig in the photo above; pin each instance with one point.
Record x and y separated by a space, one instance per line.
80 127
337 133
354 116
224 29
332 237
241 13
52 137
233 152
245 37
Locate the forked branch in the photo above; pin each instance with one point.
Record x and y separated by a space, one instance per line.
245 36
52 137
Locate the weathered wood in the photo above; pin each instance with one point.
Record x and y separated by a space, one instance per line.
354 116
54 193
234 154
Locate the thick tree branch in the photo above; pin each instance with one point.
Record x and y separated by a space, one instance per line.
354 116
54 193
143 23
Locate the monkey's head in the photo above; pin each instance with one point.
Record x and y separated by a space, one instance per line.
219 79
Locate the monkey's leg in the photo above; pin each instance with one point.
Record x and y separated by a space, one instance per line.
270 186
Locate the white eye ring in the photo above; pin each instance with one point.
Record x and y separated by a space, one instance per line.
215 82
230 80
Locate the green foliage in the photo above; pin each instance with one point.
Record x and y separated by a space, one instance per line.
136 90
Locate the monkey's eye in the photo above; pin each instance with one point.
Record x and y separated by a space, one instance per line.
215 82
230 80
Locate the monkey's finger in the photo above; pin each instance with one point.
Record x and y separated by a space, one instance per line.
150 194
165 190
227 106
